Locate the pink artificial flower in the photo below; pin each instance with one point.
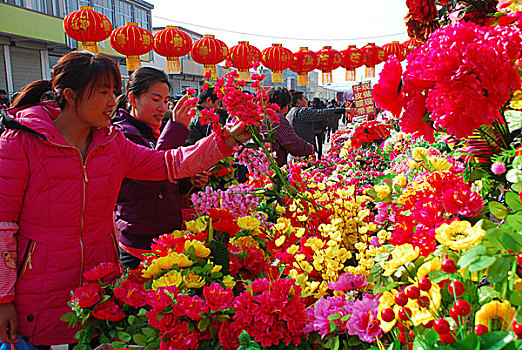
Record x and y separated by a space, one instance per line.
363 321
191 91
498 168
348 281
387 91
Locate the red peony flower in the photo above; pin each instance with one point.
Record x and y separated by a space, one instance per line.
228 336
192 306
131 293
86 295
217 297
461 200
108 310
387 91
179 338
160 320
100 271
160 298
224 221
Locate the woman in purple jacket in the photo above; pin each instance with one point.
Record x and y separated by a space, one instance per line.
148 209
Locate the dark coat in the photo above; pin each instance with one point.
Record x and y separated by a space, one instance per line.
147 209
302 119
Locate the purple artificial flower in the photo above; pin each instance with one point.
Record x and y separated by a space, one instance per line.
348 282
498 168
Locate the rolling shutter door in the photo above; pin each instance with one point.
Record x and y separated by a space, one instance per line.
26 66
3 80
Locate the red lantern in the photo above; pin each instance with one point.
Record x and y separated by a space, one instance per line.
242 57
172 43
304 61
277 58
209 52
352 58
411 45
328 59
373 55
132 41
394 48
88 27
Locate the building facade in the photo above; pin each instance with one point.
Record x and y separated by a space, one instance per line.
32 38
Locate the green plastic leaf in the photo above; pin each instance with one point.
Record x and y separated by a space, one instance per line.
497 271
124 337
516 298
244 338
482 263
498 209
487 293
496 340
139 339
513 201
517 187
471 255
68 317
149 332
515 221
118 345
517 163
132 320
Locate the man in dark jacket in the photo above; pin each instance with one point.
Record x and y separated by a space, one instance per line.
302 118
209 100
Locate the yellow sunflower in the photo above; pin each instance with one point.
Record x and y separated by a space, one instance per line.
503 313
459 235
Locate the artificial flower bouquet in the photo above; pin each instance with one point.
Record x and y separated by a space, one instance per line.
369 133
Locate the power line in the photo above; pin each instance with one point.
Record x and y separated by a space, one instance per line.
278 37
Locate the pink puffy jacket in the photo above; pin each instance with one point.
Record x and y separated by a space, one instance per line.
56 210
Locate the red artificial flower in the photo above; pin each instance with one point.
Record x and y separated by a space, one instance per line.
192 306
131 293
228 336
108 310
179 338
461 200
217 297
224 221
136 275
387 91
160 320
86 295
161 297
100 271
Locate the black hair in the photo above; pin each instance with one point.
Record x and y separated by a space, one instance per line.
3 92
297 95
32 93
279 95
139 83
205 94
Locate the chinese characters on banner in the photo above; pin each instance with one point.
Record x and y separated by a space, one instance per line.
362 95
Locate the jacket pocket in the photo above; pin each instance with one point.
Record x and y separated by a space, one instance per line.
26 263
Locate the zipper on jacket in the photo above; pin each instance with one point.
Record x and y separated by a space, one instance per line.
85 180
27 259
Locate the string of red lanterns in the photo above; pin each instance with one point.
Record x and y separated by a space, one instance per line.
89 27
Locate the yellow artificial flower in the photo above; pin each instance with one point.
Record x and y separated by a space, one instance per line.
283 225
422 315
248 223
216 268
193 280
178 233
382 191
279 242
245 242
198 225
401 255
172 278
459 235
440 163
181 260
387 301
516 101
280 209
228 281
429 266
201 250
292 249
413 164
496 311
400 180
418 152
151 271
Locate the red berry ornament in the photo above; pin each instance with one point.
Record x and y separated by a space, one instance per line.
456 288
412 292
454 314
519 258
411 335
405 314
447 338
401 327
428 325
401 299
423 301
441 326
387 315
402 337
481 329
517 328
424 284
463 307
449 266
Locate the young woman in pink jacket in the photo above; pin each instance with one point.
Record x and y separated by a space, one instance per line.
61 168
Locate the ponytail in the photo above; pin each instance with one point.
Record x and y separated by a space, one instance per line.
121 102
32 93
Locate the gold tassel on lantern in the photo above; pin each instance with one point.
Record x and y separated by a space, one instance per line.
327 78
244 74
369 72
212 69
133 63
173 65
277 76
350 75
90 46
302 79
